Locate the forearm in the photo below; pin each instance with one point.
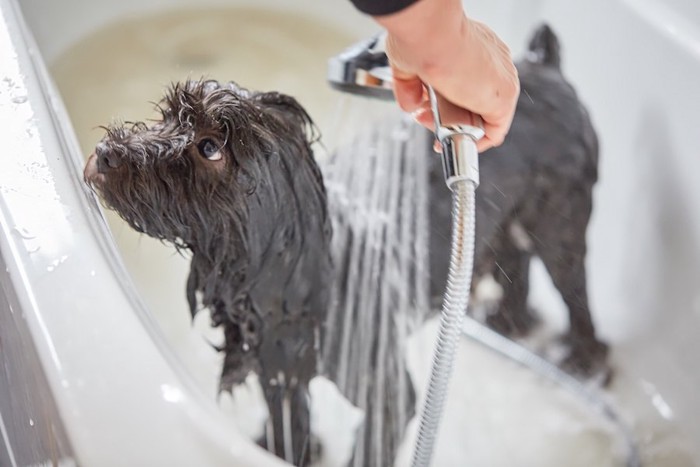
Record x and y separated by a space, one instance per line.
381 7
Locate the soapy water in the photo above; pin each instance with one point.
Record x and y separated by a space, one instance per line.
498 414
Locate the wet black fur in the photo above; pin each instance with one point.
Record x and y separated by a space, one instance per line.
541 180
256 225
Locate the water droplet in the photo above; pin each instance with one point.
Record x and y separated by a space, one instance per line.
170 393
93 273
28 237
246 347
19 99
31 422
57 262
24 233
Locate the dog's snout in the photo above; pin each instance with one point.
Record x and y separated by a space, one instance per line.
106 159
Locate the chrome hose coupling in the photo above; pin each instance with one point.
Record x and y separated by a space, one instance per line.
460 157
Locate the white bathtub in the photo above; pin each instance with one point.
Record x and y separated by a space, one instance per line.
75 335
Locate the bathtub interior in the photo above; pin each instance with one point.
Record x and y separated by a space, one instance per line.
634 67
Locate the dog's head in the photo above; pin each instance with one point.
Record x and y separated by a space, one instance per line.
190 172
229 175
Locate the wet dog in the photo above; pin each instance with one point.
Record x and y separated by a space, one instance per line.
229 176
535 199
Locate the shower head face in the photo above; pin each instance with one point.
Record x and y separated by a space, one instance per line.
362 69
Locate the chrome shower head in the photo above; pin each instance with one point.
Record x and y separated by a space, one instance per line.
362 69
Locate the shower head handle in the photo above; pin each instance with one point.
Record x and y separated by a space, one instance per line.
460 156
460 159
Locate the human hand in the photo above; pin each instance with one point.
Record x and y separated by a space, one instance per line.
433 42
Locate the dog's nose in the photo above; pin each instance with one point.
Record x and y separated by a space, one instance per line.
106 159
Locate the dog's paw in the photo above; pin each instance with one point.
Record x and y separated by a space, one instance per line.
587 360
511 324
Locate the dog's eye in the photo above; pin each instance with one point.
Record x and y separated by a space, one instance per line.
209 149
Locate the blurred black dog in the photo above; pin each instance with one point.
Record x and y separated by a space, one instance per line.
535 199
229 175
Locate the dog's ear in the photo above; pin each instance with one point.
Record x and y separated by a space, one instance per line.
544 46
290 108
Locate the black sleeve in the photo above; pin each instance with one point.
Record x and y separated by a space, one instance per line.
381 7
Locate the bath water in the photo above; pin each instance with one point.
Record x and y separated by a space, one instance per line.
498 414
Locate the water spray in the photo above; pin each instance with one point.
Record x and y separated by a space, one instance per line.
363 69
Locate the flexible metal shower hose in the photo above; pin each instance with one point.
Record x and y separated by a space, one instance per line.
454 307
453 327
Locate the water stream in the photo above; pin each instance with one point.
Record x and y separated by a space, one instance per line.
377 186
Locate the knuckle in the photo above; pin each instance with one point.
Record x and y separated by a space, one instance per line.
512 89
404 104
497 139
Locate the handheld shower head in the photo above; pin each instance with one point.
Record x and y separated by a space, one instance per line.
362 69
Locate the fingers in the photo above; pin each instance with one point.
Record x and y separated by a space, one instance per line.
484 144
451 114
477 77
471 68
408 90
495 134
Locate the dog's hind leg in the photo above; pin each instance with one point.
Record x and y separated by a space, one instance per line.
511 272
559 236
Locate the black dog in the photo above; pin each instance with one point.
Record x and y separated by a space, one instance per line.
534 199
229 176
